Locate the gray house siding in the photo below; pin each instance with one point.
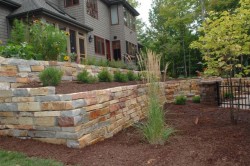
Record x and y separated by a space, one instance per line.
4 23
101 26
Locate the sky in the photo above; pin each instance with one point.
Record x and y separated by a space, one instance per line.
143 9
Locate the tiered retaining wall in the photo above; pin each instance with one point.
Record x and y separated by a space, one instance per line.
76 119
17 72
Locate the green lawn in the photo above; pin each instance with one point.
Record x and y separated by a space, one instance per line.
8 158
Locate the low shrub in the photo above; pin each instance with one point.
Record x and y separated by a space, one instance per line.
102 62
51 76
85 77
91 61
105 76
120 77
131 76
228 95
180 100
196 99
117 64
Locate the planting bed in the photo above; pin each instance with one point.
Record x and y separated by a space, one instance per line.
212 141
75 87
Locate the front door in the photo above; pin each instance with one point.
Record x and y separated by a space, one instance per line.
82 48
108 54
117 50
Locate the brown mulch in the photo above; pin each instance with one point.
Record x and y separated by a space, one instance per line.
212 141
66 87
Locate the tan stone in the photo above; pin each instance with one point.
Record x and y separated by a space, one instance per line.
5 93
56 106
85 140
47 114
52 141
94 107
23 99
37 68
45 121
4 132
6 114
39 91
25 121
5 99
15 85
22 80
29 106
20 127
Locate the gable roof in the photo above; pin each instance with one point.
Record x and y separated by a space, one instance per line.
49 9
124 3
10 3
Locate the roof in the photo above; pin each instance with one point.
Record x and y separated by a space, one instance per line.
124 3
46 8
11 3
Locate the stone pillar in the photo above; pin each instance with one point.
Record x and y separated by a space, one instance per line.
209 92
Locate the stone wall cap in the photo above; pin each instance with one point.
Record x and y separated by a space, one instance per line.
211 80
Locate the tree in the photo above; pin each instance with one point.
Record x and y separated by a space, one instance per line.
224 43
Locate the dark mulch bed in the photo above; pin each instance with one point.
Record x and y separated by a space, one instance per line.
213 141
66 87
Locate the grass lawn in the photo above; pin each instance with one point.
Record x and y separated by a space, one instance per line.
8 158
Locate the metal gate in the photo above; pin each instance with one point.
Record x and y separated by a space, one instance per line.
236 94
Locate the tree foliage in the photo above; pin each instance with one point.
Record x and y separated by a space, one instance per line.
226 40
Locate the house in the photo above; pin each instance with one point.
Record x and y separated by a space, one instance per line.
100 28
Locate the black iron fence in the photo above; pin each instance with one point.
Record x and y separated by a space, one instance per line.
235 94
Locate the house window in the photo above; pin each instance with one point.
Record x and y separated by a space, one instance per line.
69 3
129 19
114 15
92 9
99 46
131 48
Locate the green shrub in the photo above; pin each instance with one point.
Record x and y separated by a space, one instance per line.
228 95
85 77
19 32
131 76
196 99
22 50
91 61
155 130
180 100
117 64
120 77
102 62
51 76
105 76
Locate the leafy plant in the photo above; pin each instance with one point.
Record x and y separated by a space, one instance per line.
117 64
48 40
102 62
105 76
120 77
196 99
19 32
228 95
91 61
85 77
22 50
50 76
180 100
131 76
155 129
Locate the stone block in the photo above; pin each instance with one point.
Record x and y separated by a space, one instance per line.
5 99
45 121
42 134
52 141
66 135
37 68
4 86
25 121
47 114
23 92
73 113
42 91
79 103
47 128
73 144
6 114
22 80
66 121
18 133
20 127
29 106
56 106
85 140
93 107
16 85
6 93
23 99
8 79
8 107
4 132
114 107
47 98
24 68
